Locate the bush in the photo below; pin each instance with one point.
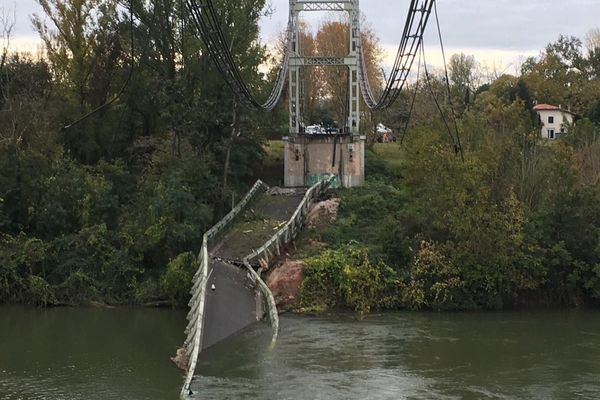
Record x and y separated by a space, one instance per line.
346 278
144 291
177 280
20 256
41 293
78 288
434 282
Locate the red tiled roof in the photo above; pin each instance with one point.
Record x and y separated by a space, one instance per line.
547 107
550 107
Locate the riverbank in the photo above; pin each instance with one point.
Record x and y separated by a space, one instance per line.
426 232
430 232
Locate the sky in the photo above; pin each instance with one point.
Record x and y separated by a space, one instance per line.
499 33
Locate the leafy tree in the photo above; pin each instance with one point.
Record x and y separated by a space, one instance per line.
463 76
81 40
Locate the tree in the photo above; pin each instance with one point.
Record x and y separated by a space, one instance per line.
75 45
563 75
592 44
592 40
7 25
83 47
331 41
463 76
332 82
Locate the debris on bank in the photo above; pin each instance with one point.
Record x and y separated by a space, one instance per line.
284 282
285 277
323 213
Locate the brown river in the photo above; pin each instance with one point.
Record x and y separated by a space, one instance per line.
91 354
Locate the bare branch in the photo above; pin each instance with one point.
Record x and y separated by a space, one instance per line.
8 19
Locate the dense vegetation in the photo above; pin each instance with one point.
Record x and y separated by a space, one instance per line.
112 207
109 208
516 224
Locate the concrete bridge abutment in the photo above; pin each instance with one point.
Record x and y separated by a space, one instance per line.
307 158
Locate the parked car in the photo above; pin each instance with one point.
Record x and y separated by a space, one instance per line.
313 130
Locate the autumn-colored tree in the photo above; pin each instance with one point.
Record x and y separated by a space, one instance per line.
332 39
311 76
328 86
564 75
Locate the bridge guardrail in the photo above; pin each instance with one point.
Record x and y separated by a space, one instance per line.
293 226
271 306
282 237
193 342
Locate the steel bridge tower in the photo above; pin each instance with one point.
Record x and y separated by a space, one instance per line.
308 157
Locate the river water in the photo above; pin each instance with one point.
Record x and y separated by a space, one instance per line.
123 354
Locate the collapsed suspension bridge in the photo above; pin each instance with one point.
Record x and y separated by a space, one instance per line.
228 293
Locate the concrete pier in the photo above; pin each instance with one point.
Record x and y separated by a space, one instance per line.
308 157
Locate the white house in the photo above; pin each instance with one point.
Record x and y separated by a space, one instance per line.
554 120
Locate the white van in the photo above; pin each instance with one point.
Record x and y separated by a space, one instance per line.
313 130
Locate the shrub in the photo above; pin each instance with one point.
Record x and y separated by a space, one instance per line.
78 288
176 282
41 293
434 282
346 278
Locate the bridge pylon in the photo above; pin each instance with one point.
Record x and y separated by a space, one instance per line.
308 155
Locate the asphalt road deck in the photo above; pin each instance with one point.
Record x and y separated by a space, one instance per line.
231 303
258 223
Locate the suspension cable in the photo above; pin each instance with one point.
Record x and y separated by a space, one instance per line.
412 36
458 146
207 22
412 104
434 97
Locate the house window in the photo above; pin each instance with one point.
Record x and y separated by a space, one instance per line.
550 120
550 133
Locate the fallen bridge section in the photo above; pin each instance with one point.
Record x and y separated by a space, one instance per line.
233 300
195 331
228 294
230 303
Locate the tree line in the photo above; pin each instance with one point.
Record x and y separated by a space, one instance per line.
517 223
120 147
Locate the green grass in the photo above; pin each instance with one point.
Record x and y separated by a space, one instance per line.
391 153
274 151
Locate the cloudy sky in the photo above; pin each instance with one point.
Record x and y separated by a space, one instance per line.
499 33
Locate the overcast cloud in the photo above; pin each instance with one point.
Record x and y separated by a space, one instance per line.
495 31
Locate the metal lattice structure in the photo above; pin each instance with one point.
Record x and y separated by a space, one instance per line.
206 19
297 60
410 43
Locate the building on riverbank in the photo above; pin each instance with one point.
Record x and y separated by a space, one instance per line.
555 120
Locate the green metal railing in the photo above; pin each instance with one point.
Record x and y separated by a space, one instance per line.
273 246
193 342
